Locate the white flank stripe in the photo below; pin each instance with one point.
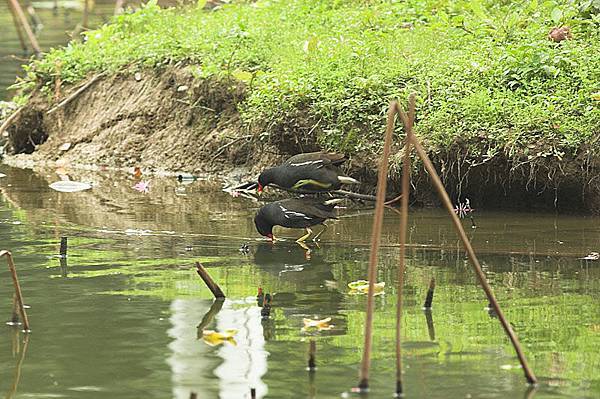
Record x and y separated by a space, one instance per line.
306 163
288 214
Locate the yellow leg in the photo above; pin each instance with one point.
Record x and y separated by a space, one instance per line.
304 237
305 248
316 238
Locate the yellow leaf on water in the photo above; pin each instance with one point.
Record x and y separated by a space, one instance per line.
214 338
319 325
362 287
358 283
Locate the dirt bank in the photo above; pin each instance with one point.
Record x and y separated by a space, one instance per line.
159 121
171 121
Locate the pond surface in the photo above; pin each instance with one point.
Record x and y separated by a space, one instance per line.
123 316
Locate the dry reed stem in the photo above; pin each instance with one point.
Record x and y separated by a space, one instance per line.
375 239
86 12
18 294
17 26
408 122
119 4
25 24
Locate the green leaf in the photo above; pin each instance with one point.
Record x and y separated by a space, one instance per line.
310 45
244 76
556 15
533 5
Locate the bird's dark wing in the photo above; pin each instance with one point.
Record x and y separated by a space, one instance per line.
316 158
335 158
293 217
311 208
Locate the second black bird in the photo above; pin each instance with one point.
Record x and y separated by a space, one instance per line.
295 213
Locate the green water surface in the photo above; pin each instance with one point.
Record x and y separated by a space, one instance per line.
120 319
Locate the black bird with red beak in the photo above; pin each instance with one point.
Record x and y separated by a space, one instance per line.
295 213
312 171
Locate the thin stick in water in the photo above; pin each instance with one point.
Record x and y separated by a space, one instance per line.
408 122
210 283
25 24
86 11
312 353
17 27
18 294
429 297
63 247
363 384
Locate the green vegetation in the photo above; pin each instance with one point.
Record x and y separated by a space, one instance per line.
488 77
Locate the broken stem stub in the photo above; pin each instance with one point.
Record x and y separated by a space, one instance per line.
312 350
210 283
429 297
63 246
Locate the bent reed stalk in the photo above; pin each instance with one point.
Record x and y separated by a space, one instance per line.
18 294
14 4
408 122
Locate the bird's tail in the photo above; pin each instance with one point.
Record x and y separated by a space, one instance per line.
333 201
347 180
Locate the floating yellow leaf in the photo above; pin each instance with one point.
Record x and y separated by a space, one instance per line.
214 338
362 287
318 325
358 283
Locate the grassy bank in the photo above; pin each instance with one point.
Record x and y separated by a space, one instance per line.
491 84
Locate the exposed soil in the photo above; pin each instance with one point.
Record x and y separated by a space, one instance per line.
169 121
160 121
